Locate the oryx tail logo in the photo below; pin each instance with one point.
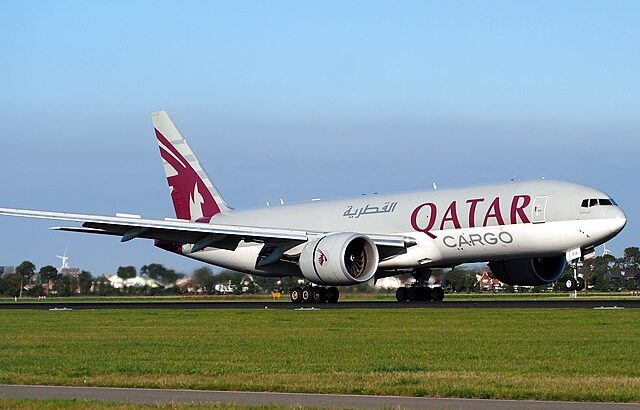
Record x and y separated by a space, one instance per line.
191 197
322 258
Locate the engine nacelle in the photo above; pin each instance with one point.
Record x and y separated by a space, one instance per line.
339 259
528 272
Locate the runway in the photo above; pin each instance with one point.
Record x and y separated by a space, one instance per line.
162 396
495 304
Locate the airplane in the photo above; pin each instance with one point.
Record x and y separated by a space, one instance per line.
526 231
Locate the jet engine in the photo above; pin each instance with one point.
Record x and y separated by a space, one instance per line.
528 272
339 259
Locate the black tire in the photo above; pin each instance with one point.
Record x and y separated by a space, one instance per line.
571 283
428 294
412 294
307 294
325 294
401 294
319 295
419 293
580 284
438 294
296 295
333 294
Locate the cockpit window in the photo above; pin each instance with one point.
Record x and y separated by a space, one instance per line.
588 203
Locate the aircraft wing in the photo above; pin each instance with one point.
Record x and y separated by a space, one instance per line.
202 235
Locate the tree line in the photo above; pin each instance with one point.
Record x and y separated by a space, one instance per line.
25 280
608 273
603 273
48 280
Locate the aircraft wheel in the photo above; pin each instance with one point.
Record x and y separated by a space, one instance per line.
296 295
307 294
571 283
401 294
412 294
438 294
319 294
428 294
333 294
580 284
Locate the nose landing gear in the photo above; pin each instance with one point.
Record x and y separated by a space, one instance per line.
575 283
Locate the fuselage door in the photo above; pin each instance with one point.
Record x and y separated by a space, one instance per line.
539 209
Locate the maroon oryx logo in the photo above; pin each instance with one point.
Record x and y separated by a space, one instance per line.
322 258
191 197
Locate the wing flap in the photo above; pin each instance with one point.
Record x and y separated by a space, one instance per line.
79 229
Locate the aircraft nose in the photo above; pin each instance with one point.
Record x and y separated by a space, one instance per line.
618 219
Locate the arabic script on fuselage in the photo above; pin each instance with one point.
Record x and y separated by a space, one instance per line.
387 207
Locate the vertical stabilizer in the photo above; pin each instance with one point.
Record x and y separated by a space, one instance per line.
194 195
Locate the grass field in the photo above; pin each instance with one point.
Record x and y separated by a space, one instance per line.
11 404
557 354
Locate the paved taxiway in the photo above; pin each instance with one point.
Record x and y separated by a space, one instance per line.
511 304
161 396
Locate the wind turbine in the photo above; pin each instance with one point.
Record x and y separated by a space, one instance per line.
65 260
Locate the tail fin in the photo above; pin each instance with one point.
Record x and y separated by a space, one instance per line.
194 195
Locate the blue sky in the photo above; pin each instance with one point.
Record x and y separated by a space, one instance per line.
306 99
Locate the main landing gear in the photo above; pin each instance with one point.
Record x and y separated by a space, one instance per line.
419 292
315 294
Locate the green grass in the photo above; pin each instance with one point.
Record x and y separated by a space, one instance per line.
14 404
555 354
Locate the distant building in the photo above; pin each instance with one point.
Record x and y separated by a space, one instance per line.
7 270
73 272
390 282
187 285
224 287
138 282
486 282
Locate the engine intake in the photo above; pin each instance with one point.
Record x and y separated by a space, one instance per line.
528 272
339 259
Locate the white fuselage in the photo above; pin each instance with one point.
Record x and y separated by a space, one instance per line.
451 227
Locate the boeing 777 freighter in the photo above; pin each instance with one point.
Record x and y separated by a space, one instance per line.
526 231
